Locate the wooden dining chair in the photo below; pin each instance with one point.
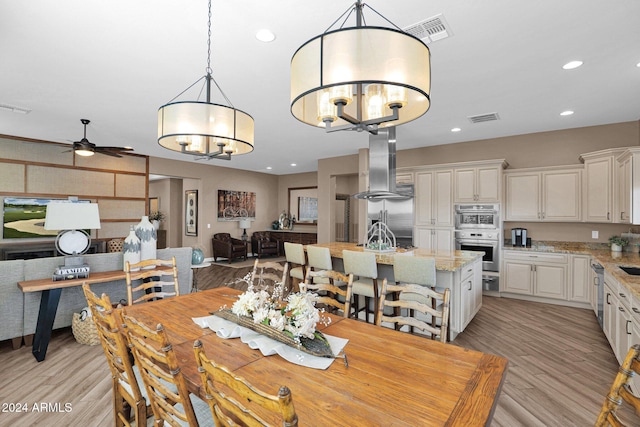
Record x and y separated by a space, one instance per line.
408 301
297 262
620 392
269 276
333 288
151 279
417 271
230 410
129 394
170 399
364 268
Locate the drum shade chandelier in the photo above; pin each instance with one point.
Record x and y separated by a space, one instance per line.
360 78
205 129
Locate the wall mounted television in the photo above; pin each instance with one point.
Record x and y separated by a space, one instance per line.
23 217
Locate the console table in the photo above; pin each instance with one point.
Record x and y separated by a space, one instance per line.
295 236
49 303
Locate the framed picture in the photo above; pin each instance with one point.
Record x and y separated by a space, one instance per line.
236 205
191 213
307 209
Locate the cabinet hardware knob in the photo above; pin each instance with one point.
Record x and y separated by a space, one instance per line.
635 310
621 309
608 216
608 302
627 327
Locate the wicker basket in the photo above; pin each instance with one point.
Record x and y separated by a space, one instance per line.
84 331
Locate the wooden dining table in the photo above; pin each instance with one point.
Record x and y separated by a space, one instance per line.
392 379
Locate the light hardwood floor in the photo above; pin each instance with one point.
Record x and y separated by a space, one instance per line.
560 368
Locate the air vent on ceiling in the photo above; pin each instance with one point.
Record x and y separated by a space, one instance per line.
431 29
481 118
15 108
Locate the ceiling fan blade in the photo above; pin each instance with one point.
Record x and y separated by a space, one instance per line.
109 153
114 148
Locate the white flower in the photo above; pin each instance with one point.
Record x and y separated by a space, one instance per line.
276 320
248 302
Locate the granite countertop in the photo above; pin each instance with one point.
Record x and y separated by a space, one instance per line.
445 261
611 261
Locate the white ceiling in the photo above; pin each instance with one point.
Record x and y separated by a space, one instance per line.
115 62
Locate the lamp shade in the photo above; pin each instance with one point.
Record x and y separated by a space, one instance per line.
200 127
244 223
72 216
369 70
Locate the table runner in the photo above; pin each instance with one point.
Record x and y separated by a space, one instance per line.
226 329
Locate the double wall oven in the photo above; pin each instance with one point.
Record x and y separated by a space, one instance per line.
478 229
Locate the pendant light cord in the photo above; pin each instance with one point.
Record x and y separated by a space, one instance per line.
209 71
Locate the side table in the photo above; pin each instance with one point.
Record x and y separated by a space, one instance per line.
196 268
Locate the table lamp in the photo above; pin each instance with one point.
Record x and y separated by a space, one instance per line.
72 220
244 224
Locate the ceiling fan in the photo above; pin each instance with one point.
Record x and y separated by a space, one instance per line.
86 148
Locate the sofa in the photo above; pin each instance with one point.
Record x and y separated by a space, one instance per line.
264 243
226 246
19 311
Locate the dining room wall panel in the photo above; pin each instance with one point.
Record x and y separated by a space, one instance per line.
11 177
130 185
53 180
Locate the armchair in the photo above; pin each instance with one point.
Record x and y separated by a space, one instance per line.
226 246
263 243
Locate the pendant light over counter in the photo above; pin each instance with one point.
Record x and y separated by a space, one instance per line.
360 78
202 128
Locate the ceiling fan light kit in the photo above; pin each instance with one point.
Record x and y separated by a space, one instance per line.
85 148
205 129
360 78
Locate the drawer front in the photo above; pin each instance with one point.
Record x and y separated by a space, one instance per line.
624 295
536 256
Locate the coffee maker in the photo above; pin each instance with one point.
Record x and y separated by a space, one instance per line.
519 237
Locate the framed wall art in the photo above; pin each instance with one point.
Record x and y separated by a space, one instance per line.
236 205
191 213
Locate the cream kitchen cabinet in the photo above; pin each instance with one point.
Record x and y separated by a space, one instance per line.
580 284
624 189
599 186
549 194
470 292
609 309
437 239
478 183
537 274
434 198
404 178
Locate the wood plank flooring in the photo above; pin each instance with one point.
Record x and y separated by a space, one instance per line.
560 367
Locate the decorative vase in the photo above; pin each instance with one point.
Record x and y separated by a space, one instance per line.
616 248
131 248
148 239
197 256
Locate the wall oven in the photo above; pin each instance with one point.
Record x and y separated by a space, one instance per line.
481 241
477 216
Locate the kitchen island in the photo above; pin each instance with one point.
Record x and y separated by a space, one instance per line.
459 271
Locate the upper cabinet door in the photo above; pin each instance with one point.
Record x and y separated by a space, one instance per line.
478 184
561 196
523 197
443 206
424 198
598 189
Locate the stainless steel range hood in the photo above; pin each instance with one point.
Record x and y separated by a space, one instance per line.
382 168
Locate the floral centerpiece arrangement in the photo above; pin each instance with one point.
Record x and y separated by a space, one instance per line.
291 320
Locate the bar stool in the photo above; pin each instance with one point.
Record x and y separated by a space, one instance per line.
294 253
418 271
364 266
319 258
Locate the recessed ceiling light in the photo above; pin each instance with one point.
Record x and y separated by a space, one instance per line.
456 130
293 164
638 65
269 168
571 65
566 113
265 35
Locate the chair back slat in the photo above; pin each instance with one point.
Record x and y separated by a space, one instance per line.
151 279
329 290
414 298
226 409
